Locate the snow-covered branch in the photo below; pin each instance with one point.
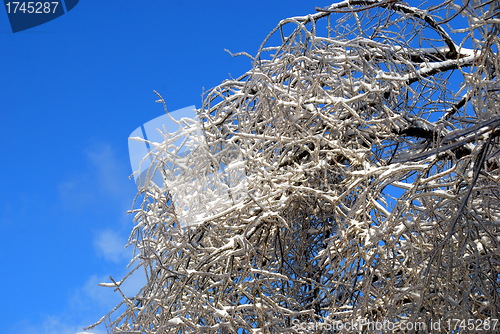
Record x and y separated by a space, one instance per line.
352 173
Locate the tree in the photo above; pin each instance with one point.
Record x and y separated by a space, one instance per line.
369 135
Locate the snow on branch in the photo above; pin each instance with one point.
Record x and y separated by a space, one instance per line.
357 176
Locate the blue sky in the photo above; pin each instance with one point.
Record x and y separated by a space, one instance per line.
71 92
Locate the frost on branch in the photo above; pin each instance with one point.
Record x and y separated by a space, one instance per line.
368 136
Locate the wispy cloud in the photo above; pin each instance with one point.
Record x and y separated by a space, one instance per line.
100 192
100 300
111 246
110 172
51 325
102 183
93 296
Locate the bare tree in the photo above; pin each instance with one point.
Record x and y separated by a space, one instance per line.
368 133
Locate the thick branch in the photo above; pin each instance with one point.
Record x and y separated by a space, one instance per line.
394 4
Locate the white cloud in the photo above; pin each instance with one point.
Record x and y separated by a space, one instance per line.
111 246
96 296
92 302
134 283
110 172
103 186
106 297
52 325
100 300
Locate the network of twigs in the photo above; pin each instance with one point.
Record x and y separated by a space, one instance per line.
369 133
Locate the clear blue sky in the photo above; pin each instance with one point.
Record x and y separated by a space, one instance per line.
71 92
